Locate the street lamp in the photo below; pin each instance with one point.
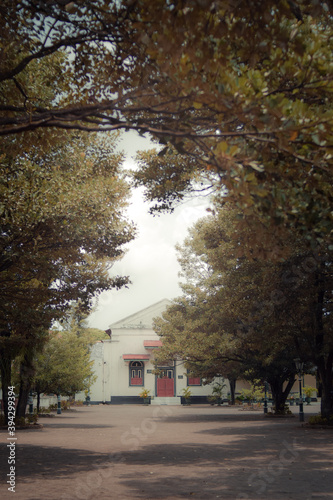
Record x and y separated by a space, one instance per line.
265 399
299 368
31 403
59 404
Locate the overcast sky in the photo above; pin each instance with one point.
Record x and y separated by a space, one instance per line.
150 261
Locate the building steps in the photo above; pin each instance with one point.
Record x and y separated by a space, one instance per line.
166 401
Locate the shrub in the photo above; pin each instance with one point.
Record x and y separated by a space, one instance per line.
187 393
308 390
32 419
65 405
144 393
77 403
319 420
285 411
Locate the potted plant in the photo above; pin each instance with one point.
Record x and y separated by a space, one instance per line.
144 394
187 395
291 401
308 393
218 392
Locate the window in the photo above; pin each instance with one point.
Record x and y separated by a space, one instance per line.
193 380
136 372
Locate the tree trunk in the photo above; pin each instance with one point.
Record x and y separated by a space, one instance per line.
38 401
280 395
325 377
324 366
232 383
27 373
6 376
22 401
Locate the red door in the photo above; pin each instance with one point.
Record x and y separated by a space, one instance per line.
165 387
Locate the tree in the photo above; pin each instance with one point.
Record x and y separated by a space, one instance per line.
62 226
242 90
64 366
244 310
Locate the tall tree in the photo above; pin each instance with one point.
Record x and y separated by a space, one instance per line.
64 366
62 226
248 311
244 89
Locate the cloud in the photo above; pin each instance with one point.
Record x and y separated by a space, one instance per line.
150 261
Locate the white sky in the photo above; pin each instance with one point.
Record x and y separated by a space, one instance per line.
150 261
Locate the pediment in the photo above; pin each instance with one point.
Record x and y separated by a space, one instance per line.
142 319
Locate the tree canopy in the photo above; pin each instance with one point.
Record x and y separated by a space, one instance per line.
64 366
62 197
241 317
243 90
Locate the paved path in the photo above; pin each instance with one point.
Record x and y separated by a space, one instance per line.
170 453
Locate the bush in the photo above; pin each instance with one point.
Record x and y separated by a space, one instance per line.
285 411
20 421
32 419
319 420
187 393
42 409
144 393
65 405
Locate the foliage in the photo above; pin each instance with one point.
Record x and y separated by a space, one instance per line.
285 410
218 389
32 419
144 393
319 420
64 366
255 393
217 393
307 390
249 314
61 201
237 93
77 402
187 393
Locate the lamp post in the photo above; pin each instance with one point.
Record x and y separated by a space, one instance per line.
31 403
265 398
299 368
59 405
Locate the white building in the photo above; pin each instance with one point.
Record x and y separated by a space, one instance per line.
124 365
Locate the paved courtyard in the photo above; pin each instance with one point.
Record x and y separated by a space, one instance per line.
170 452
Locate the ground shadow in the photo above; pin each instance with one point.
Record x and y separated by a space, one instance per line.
52 462
63 425
283 467
218 417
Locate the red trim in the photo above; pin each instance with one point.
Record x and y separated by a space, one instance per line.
152 343
134 357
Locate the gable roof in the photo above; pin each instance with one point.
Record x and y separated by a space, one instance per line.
144 318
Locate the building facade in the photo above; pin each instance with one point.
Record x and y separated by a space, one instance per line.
124 365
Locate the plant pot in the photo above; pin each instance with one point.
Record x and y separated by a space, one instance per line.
146 401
